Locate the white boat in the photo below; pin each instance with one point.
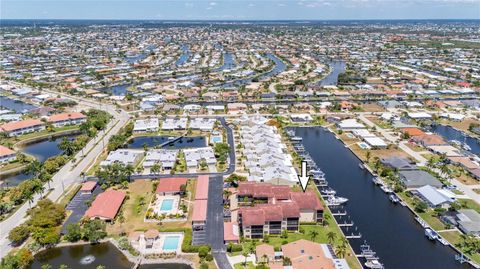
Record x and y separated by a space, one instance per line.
443 241
393 198
336 200
329 192
361 166
296 138
386 189
466 147
373 263
421 222
377 181
431 234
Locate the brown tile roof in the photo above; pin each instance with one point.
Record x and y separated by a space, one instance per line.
88 186
199 210
15 125
171 184
413 131
306 200
66 116
202 188
106 205
4 151
306 254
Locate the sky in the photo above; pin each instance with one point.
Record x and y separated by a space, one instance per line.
240 9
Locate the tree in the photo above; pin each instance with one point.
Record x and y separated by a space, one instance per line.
19 234
46 266
245 254
155 169
34 168
67 146
94 230
203 251
74 232
331 236
313 234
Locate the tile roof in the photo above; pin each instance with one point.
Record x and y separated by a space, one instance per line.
12 126
66 116
106 205
171 184
4 151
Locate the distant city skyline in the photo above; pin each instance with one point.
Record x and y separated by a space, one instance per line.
240 9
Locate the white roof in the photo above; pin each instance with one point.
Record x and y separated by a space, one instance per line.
375 141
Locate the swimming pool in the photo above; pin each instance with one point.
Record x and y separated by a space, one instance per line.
167 205
171 242
216 139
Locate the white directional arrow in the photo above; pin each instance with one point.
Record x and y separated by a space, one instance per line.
303 177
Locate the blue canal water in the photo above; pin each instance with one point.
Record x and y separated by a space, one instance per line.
390 229
184 57
104 254
136 58
449 133
153 141
337 67
15 105
118 90
41 151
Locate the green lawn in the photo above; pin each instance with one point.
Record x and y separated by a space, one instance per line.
454 238
469 203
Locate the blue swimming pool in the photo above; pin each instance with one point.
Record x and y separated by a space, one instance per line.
167 205
171 242
216 139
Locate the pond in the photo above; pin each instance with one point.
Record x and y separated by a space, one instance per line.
41 150
91 256
153 141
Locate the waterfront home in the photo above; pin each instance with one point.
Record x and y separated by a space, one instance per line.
429 140
174 124
434 197
171 186
196 156
350 124
203 124
231 232
305 254
398 163
68 118
106 205
7 155
469 221
22 127
146 125
414 179
375 142
272 209
164 157
123 156
301 118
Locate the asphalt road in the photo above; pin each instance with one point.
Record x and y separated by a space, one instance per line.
215 222
69 173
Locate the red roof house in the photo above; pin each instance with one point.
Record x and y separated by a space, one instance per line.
202 188
106 205
171 185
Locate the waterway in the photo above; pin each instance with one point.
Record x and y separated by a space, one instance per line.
184 57
337 67
449 133
152 141
118 90
41 150
228 62
104 254
390 229
15 105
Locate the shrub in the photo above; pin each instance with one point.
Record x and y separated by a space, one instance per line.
209 257
19 234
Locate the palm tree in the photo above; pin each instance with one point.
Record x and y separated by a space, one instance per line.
341 250
155 169
313 234
331 236
444 169
40 189
129 170
67 146
245 254
34 168
431 162
29 198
